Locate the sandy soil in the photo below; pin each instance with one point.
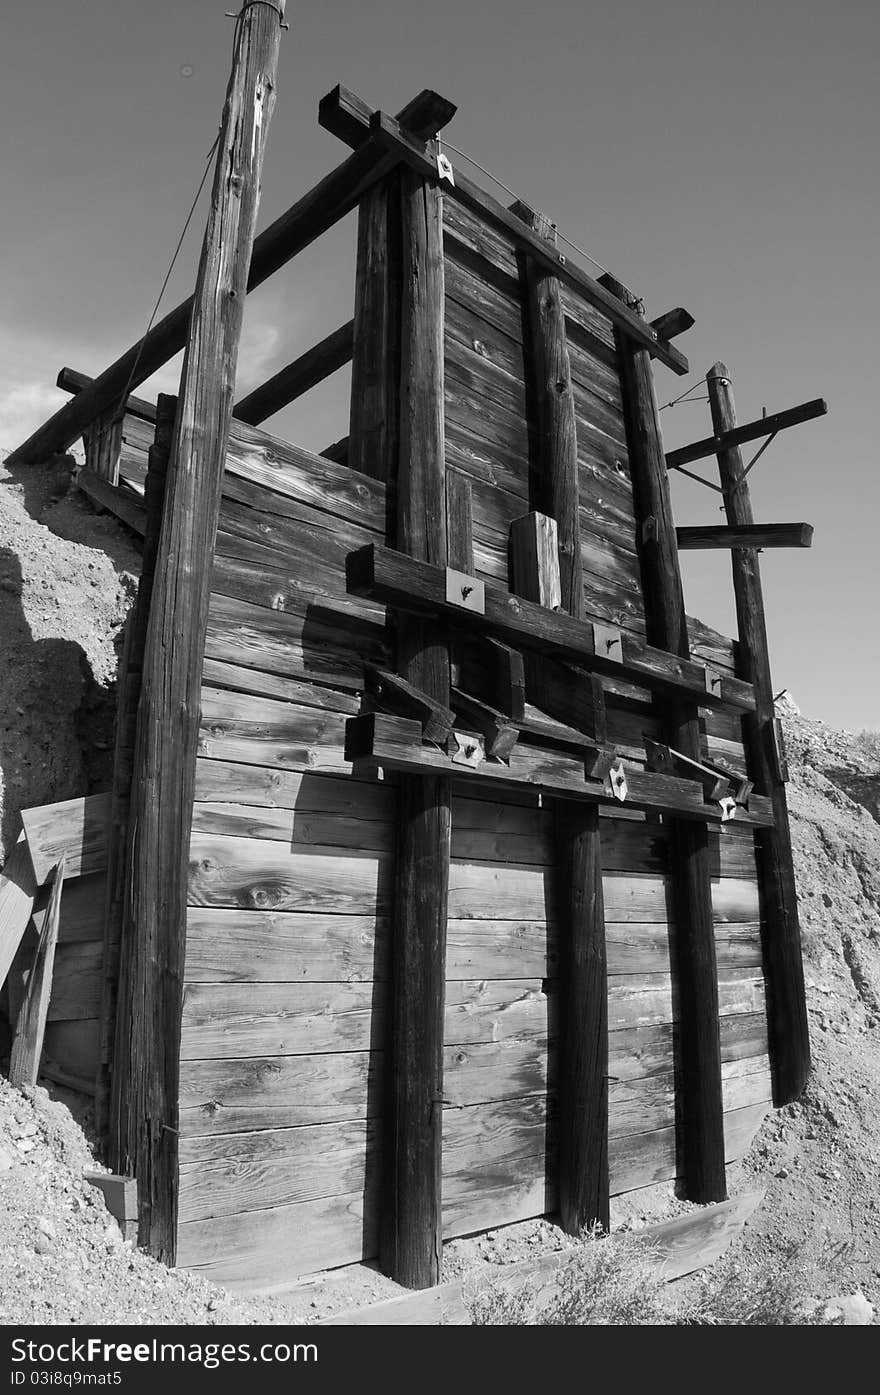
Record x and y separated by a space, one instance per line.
67 576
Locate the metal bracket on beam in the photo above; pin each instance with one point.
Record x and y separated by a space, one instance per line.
466 748
465 591
617 781
444 169
597 764
727 806
607 642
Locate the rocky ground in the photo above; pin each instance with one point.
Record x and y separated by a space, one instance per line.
67 575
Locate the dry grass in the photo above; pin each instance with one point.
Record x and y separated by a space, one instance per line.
617 1281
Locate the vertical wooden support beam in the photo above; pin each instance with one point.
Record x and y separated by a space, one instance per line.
557 427
128 689
411 1231
375 366
144 1096
583 984
787 1008
701 1137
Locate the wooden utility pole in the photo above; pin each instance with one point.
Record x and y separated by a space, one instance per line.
583 986
144 1117
787 1009
411 1231
702 1115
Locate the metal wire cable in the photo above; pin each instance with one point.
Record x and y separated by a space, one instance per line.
134 367
514 195
238 16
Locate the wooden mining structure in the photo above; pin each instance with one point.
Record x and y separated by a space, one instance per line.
445 880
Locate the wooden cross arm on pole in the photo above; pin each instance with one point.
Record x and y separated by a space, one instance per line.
748 535
751 431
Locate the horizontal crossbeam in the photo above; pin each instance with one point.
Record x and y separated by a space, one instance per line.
394 743
394 579
345 115
748 535
741 435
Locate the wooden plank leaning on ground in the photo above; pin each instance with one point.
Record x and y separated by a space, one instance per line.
682 1246
18 888
27 1044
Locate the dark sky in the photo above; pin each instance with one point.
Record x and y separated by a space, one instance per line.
722 157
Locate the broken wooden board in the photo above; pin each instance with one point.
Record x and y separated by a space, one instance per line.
18 888
75 829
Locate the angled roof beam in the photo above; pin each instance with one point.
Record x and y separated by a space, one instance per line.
297 377
337 194
751 431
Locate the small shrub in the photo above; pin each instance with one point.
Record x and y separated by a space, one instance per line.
868 745
777 1291
606 1282
617 1281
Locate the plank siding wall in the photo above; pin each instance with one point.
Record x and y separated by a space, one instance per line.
292 854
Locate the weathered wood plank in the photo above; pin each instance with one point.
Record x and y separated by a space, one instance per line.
277 1092
227 945
263 875
77 982
75 829
227 1174
27 1041
488 1011
18 888
217 673
268 1250
297 828
232 1021
298 791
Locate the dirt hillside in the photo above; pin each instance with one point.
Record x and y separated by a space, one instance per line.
67 576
